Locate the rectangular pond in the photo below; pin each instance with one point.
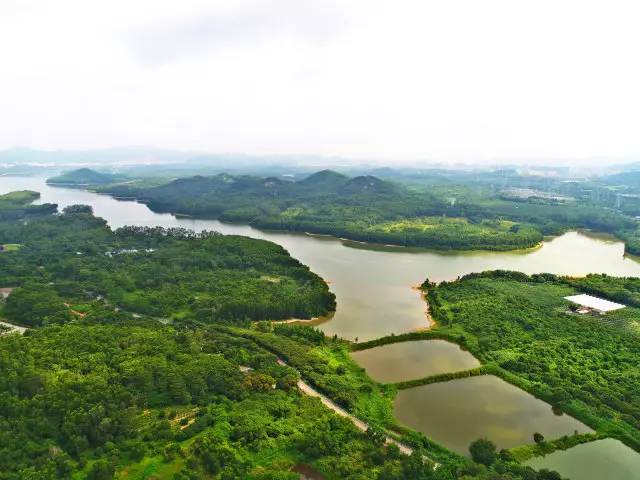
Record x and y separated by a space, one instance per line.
602 459
398 362
457 412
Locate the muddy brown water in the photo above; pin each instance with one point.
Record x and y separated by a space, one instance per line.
373 289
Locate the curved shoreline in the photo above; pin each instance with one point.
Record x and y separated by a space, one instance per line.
345 240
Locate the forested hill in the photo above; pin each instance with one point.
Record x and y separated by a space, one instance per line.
364 208
73 264
85 176
17 205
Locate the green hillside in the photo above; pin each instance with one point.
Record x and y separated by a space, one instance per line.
85 177
363 208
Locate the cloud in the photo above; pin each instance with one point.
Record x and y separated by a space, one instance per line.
250 26
463 80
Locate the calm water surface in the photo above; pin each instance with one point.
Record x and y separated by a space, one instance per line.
373 290
458 412
398 362
603 459
372 285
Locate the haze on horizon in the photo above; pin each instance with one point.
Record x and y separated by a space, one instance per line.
463 81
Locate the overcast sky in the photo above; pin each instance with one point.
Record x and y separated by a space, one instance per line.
452 80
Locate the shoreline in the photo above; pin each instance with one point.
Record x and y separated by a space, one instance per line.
304 321
345 240
431 323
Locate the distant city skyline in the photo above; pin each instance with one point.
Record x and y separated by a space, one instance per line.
498 81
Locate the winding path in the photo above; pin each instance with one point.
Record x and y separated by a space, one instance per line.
13 328
363 426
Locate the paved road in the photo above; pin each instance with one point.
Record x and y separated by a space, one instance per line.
312 392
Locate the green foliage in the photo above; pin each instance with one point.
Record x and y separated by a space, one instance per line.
450 211
85 176
445 377
301 332
35 304
101 470
623 290
75 259
483 451
16 206
96 392
330 369
363 208
584 365
537 449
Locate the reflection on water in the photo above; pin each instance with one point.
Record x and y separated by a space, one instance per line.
373 289
398 362
457 412
597 460
372 284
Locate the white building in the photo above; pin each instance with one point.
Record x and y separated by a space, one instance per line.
591 303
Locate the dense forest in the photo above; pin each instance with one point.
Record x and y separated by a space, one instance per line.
72 265
363 208
17 205
441 215
98 401
141 400
583 364
142 361
85 176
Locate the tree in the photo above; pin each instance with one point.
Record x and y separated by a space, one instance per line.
101 470
538 438
483 451
35 304
76 209
376 436
545 474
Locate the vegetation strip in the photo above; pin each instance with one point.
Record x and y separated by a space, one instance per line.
545 447
445 377
309 390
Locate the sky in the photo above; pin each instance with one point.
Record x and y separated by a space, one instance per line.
402 80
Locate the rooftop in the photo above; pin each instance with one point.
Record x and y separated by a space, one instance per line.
594 303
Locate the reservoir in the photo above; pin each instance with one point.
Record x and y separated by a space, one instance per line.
398 362
373 286
457 412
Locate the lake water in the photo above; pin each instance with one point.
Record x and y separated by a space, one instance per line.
373 289
602 459
457 412
398 362
372 284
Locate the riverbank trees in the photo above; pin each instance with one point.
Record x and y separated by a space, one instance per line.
585 365
370 209
91 401
73 264
364 208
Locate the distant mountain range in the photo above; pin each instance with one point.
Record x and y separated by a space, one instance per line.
141 155
124 156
